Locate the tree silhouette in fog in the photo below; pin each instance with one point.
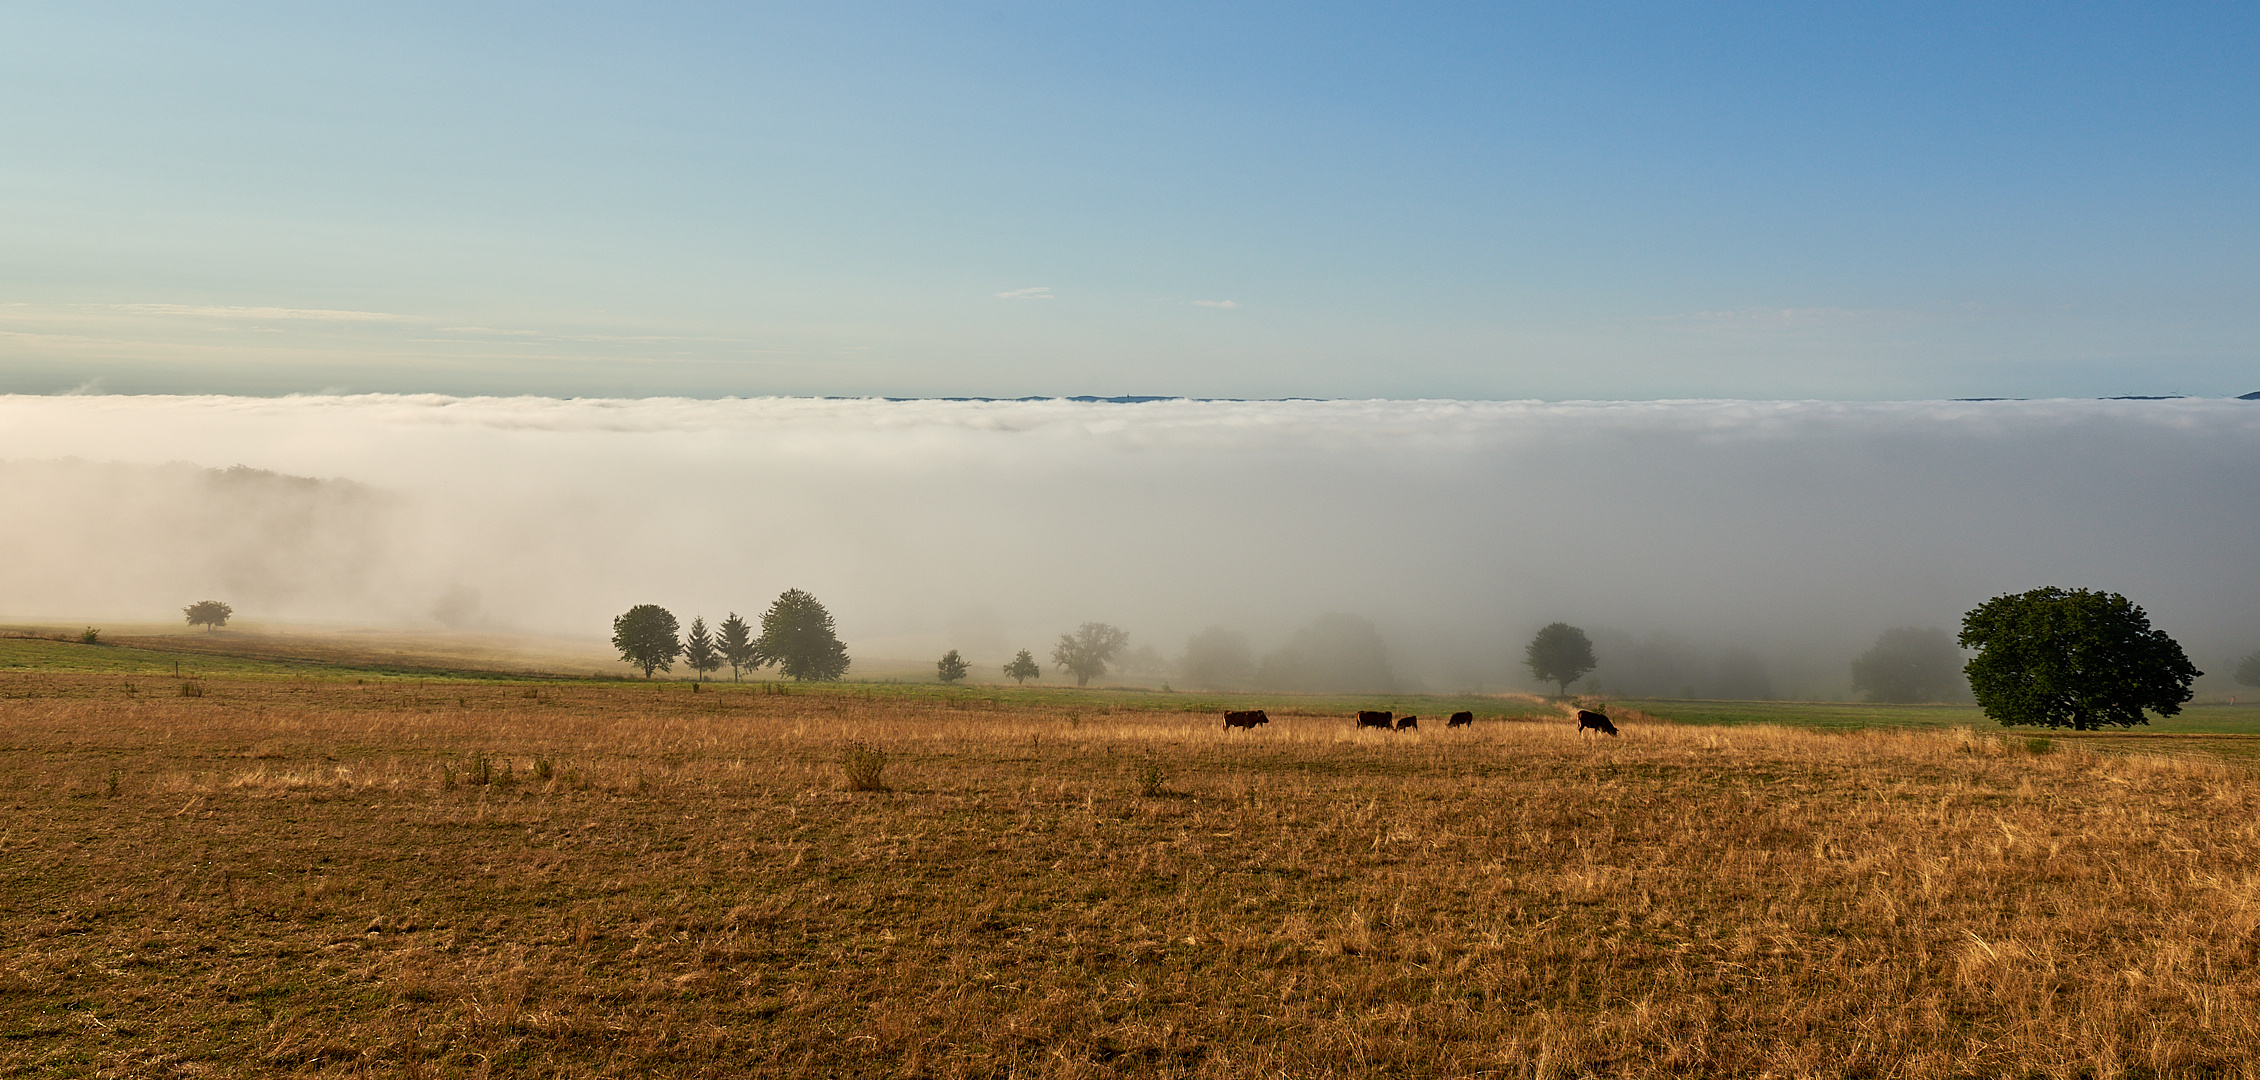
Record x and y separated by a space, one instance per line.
1217 659
1560 654
1335 653
209 614
699 651
1023 668
645 636
797 636
2248 670
951 667
1086 651
1910 664
736 645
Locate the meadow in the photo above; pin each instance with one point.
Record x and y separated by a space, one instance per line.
352 872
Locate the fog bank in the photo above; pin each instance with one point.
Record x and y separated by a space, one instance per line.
1791 533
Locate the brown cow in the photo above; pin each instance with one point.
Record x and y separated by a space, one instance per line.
1408 723
1248 719
1368 718
1460 719
1593 721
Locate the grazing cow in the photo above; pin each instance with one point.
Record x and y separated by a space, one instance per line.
1460 719
1593 721
1248 719
1368 718
1407 723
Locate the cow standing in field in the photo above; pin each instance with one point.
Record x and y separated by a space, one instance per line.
1368 718
1460 719
1247 719
1408 723
1593 721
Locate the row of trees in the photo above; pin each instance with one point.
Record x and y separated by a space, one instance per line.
797 636
952 667
1083 652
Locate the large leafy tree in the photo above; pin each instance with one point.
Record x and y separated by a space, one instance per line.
1908 665
2072 658
645 636
951 667
699 651
736 646
797 636
209 614
1560 654
1023 668
1086 651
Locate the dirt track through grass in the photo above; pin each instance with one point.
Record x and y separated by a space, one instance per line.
299 875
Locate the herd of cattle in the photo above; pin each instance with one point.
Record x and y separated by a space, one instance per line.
1249 718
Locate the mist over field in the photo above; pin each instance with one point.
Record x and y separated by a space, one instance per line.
1724 533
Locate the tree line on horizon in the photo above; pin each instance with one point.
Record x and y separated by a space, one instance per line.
2050 657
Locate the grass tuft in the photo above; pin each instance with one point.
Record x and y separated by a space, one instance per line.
1151 777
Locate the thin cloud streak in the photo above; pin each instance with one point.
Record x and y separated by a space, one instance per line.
215 312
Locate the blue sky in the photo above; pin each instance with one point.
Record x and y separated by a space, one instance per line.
1627 201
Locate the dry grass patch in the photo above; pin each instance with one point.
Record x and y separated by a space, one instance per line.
294 876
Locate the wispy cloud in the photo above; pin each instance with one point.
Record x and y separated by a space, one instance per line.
1040 292
1216 303
202 311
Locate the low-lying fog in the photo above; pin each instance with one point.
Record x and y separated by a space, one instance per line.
1785 534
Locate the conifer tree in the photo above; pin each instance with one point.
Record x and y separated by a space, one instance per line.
699 651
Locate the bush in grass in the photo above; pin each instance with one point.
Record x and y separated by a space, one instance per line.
865 766
951 667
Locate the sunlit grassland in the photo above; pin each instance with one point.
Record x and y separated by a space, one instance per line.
2213 729
306 873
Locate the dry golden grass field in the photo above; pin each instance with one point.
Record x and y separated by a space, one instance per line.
467 878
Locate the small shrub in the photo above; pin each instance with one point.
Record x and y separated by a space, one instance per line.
192 688
92 636
544 768
110 788
478 768
1150 778
864 765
